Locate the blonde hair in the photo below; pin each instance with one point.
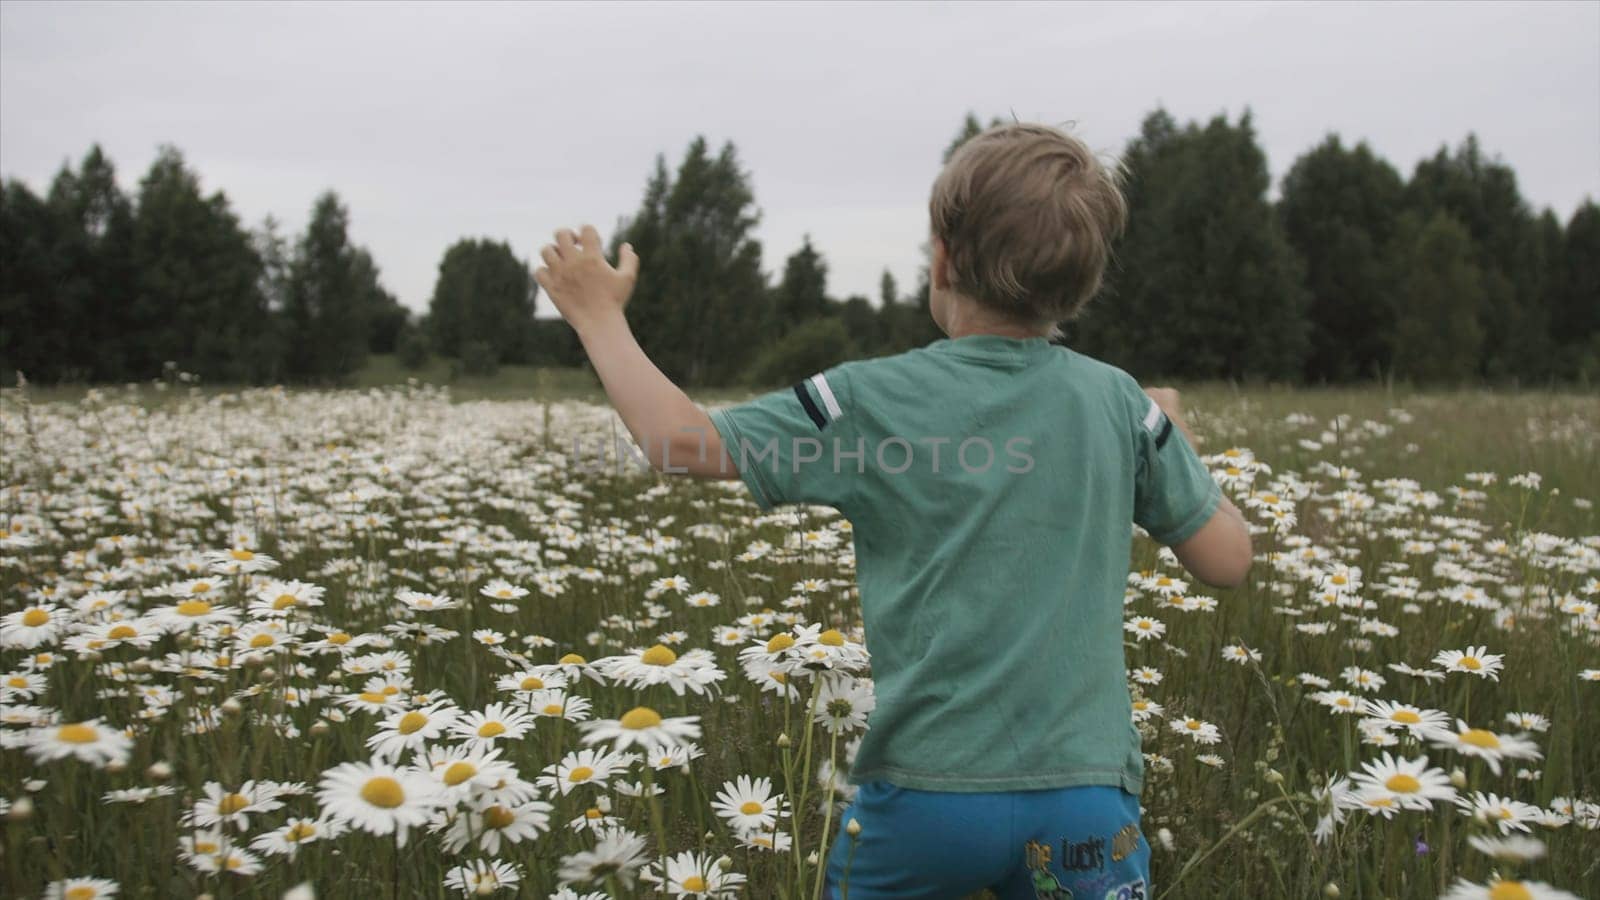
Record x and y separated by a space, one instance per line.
1027 215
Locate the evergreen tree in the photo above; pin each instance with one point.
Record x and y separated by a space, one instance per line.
35 337
483 303
1437 334
333 290
1338 211
803 292
1481 194
1205 284
196 298
94 264
862 323
701 303
888 290
1575 312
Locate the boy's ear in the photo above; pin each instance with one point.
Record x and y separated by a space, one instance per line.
937 273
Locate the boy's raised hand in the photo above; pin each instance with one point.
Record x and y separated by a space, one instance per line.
583 286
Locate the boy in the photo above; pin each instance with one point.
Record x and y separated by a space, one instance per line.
992 479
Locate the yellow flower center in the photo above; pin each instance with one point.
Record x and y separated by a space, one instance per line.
1141 705
411 722
1405 717
491 729
1233 470
531 684
205 847
502 593
232 803
780 677
1509 890
640 718
284 601
1192 725
751 807
1339 579
498 817
1477 737
1401 783
592 813
299 831
262 640
553 709
81 893
779 642
694 883
338 637
374 697
1272 500
572 659
241 554
384 792
1384 802
33 618
122 633
831 637
1471 662
1144 624
459 772
581 773
200 587
77 733
193 608
658 656
17 681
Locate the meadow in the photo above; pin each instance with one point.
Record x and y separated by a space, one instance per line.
396 641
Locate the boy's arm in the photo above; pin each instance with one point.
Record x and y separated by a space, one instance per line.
676 434
1220 553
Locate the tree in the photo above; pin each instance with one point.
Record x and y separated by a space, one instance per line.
861 322
701 303
482 302
1437 335
1481 194
34 337
333 292
1575 312
1338 212
196 298
888 290
803 292
1204 283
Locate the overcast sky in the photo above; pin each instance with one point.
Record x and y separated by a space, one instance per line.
435 122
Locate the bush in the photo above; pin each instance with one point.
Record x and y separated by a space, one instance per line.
412 348
813 346
478 358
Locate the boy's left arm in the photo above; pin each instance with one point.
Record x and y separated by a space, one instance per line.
675 433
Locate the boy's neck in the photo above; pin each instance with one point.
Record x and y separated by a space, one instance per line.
967 319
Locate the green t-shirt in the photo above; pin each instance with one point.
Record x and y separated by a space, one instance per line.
992 483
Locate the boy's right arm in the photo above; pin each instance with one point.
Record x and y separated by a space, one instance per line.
1219 551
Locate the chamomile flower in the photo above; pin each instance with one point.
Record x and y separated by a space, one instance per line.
1508 849
1473 660
1144 628
1503 812
378 798
288 838
1505 889
1197 730
482 877
749 805
81 889
232 807
490 823
618 853
584 768
89 741
692 874
1486 745
1404 717
466 770
403 731
644 727
1411 784
30 627
496 722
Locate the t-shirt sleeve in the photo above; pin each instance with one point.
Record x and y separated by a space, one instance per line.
797 444
1174 493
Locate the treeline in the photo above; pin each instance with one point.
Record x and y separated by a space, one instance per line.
1356 272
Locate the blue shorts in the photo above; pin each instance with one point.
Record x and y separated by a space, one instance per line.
1078 843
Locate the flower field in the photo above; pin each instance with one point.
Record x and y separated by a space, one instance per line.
386 644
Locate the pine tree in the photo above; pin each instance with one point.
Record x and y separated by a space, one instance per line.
197 298
803 292
1338 212
701 304
94 258
333 289
1575 312
1437 334
35 338
1481 194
